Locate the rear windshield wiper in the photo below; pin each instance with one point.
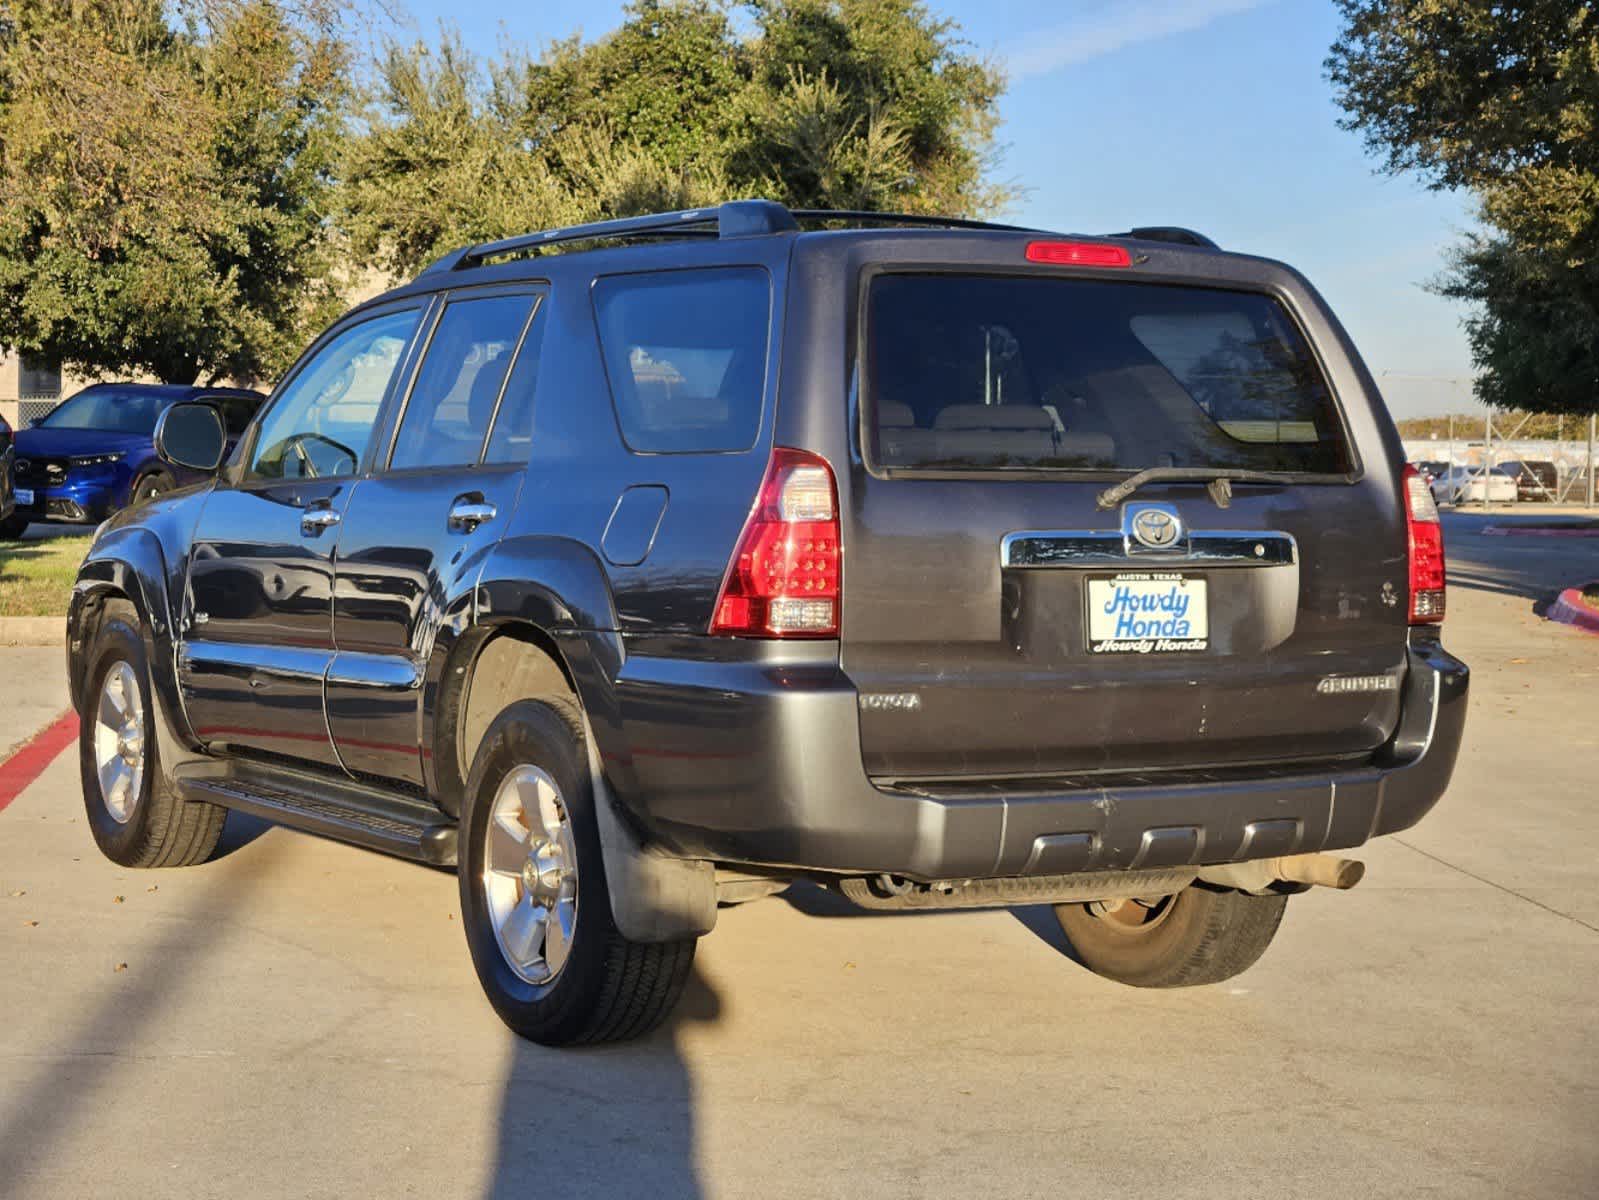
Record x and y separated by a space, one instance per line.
1220 480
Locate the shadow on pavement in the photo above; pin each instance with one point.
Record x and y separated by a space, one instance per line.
240 830
603 1122
1501 583
132 1010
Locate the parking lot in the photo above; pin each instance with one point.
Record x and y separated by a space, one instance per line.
297 1018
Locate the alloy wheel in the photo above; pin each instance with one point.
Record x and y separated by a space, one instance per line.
530 874
119 741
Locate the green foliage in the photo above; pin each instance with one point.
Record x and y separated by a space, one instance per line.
1501 99
162 187
1535 337
867 104
188 187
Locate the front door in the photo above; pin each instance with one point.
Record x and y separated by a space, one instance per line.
258 636
416 533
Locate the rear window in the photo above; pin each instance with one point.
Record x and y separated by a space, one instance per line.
685 352
989 373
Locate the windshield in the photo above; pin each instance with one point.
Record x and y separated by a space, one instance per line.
116 410
1028 373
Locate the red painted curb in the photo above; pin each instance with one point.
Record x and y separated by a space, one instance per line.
1572 609
30 759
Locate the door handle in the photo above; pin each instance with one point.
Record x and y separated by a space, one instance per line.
314 520
467 514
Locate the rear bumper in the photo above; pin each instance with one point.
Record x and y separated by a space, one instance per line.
760 763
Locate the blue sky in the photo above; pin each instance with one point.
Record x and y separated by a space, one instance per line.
1208 113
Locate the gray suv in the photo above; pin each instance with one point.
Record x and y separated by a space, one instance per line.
644 567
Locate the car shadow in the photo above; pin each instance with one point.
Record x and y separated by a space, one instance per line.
603 1121
57 1098
238 832
1038 919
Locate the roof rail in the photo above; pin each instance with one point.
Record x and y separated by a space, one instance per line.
910 219
1175 234
736 218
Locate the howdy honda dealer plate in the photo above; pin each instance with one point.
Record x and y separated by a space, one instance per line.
1147 612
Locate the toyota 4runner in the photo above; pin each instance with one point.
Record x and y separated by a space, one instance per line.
646 566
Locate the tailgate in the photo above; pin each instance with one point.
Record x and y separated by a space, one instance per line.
998 623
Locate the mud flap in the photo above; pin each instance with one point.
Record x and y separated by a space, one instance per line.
654 897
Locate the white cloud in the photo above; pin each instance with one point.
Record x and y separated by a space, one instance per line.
1120 24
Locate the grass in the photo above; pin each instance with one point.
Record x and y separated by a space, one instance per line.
36 577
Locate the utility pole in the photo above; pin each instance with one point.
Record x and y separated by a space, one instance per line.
1593 418
1487 455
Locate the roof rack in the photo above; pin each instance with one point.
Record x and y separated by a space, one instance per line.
910 219
736 218
1175 234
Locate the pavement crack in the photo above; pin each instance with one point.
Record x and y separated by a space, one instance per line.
1509 891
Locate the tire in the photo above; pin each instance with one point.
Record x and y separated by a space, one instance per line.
12 528
606 988
148 486
1201 935
149 824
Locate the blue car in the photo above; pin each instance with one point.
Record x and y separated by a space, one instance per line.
8 502
94 453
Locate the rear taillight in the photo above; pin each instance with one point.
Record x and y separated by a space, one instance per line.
1426 550
784 576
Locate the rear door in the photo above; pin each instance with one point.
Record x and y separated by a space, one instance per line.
1001 621
415 534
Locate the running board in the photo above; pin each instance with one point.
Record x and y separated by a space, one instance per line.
344 811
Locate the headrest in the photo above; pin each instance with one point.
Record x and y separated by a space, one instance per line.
895 416
993 416
484 392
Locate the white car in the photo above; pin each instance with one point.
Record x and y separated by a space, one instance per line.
1474 485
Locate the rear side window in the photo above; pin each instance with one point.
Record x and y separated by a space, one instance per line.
990 373
685 352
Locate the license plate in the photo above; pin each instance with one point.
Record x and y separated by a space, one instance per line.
1147 612
24 495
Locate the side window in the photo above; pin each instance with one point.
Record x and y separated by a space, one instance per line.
458 386
685 352
513 427
236 411
321 422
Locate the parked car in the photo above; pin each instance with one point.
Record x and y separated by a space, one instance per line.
7 495
1474 485
94 453
1536 479
1432 469
948 565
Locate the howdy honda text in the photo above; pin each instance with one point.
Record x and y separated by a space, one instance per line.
1147 613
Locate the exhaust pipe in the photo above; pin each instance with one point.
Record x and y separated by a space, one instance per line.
1319 870
1311 870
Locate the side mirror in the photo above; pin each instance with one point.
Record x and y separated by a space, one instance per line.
190 434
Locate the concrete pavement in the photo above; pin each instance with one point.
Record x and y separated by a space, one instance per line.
299 1018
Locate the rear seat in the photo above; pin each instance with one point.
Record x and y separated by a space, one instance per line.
994 430
986 431
900 438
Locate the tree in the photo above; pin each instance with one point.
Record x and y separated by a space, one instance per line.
163 185
1535 338
1503 100
868 104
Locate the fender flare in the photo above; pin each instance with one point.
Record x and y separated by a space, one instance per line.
655 896
129 562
